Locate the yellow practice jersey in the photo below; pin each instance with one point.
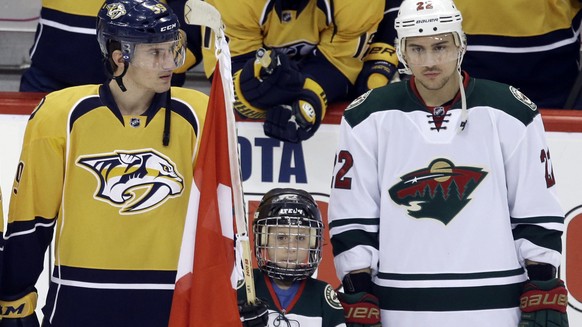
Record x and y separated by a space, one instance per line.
116 198
531 45
339 30
517 18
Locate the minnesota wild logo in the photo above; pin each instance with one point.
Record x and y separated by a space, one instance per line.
439 191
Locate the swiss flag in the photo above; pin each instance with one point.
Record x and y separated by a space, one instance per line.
204 293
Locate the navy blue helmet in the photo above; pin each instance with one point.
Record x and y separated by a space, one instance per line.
132 22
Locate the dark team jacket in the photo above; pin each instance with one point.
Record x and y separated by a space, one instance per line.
315 304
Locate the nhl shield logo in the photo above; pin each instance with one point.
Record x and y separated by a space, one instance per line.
440 191
134 181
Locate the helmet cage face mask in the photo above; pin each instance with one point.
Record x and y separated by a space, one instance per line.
132 23
428 18
288 233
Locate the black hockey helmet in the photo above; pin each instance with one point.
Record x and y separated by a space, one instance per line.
288 223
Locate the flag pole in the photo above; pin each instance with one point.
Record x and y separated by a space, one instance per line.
198 12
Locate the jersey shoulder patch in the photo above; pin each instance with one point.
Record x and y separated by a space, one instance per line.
503 97
331 297
359 100
394 96
522 98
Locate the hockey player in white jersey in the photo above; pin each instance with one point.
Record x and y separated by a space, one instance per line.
443 202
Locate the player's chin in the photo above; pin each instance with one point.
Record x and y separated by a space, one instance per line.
162 89
164 84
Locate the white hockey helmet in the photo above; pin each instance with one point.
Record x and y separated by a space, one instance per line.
427 18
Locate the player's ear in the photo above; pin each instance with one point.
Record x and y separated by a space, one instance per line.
117 61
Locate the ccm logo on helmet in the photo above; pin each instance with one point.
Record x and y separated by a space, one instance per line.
168 28
290 211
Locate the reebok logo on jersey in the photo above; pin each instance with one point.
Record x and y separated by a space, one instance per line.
134 181
439 191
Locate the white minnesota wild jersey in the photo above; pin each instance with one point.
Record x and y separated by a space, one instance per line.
444 218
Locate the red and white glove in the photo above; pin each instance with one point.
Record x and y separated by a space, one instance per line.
360 309
544 304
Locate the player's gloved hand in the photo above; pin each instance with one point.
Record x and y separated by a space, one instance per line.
18 311
380 65
253 315
544 303
258 88
360 309
295 122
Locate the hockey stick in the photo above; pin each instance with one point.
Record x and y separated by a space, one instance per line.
574 92
197 12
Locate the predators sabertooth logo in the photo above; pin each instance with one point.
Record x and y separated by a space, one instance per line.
439 191
134 181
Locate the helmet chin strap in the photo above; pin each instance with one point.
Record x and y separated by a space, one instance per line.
464 112
109 72
119 80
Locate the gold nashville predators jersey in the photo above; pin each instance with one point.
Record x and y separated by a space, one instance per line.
337 29
116 199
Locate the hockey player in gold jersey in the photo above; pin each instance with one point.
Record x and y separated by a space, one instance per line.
65 52
107 169
313 56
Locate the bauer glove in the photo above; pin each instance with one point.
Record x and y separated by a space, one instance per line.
360 309
380 65
299 120
543 304
18 311
267 81
253 314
